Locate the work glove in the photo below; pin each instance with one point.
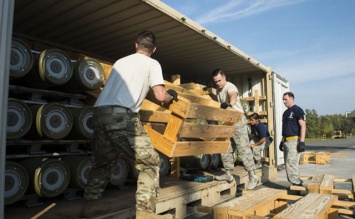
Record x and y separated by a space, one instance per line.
173 93
225 105
300 146
281 146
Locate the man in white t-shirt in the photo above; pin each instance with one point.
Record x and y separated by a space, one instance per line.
228 96
119 132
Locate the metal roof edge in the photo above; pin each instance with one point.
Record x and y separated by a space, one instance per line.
203 31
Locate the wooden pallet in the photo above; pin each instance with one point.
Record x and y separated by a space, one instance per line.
311 206
325 184
314 157
182 200
262 203
176 129
274 203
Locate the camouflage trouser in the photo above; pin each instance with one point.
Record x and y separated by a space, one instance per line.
292 158
257 151
241 141
120 133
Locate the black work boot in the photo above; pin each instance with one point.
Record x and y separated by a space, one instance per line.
94 207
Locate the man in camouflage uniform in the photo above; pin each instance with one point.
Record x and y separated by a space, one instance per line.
294 134
119 132
227 94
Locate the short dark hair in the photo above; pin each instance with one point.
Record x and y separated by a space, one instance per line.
290 94
217 71
146 41
255 116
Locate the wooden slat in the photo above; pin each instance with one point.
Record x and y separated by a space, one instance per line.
201 92
195 98
322 157
311 206
154 116
259 202
211 113
342 180
181 107
176 79
297 188
182 91
256 103
327 184
343 194
192 85
173 128
159 142
313 185
188 148
353 183
152 112
253 98
193 130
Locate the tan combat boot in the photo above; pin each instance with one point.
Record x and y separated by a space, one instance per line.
253 180
147 215
94 207
228 176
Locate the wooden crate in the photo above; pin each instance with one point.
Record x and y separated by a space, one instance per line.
311 206
274 203
314 157
182 199
325 184
263 202
184 136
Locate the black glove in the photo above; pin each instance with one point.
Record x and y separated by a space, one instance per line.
300 146
225 105
281 146
173 93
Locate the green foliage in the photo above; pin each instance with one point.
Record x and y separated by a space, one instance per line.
326 125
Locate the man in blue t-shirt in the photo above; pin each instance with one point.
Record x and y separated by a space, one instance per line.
294 134
260 138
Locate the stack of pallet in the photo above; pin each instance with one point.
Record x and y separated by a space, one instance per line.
275 203
176 129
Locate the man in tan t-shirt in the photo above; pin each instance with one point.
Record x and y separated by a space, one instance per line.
228 96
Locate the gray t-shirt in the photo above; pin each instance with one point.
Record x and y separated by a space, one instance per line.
129 82
223 95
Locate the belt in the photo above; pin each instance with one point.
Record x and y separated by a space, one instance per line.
291 137
113 109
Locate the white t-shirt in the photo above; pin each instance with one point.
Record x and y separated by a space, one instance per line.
223 95
129 82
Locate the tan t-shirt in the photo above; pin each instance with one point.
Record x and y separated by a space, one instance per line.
129 82
223 95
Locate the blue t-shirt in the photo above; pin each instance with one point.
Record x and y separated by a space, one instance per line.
290 117
260 130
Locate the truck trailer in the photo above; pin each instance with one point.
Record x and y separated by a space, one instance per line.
73 35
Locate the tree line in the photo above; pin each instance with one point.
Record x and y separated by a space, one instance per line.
318 126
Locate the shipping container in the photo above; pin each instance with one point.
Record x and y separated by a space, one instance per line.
67 35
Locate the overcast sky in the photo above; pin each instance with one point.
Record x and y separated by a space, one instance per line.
311 43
